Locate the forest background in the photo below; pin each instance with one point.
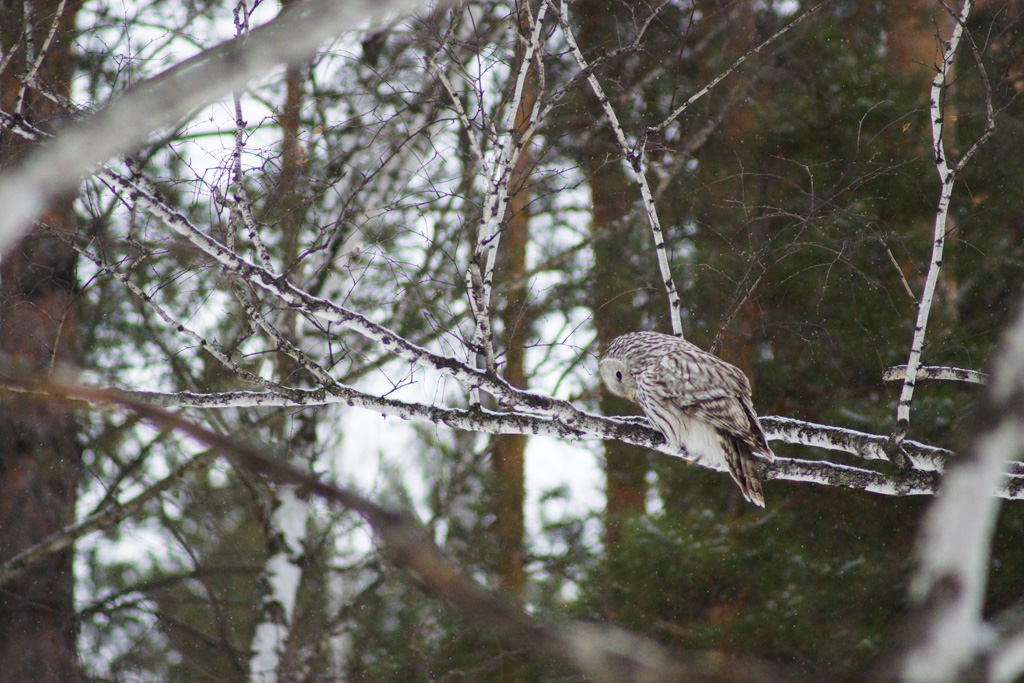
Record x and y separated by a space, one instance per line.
370 254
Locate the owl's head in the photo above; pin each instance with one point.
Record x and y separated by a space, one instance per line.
617 377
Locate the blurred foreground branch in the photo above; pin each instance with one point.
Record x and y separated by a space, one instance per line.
603 653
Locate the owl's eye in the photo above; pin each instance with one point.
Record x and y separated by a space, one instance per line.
618 376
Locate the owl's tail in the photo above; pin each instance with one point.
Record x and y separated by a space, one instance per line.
743 468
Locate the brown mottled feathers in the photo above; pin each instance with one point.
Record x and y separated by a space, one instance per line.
698 401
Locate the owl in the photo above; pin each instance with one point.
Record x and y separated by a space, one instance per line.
698 401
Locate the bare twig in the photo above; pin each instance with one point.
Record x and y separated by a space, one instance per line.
105 519
732 69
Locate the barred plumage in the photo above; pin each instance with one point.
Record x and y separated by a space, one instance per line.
698 401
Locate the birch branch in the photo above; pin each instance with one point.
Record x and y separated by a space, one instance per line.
601 653
514 144
480 278
861 444
936 372
947 176
122 126
636 163
908 483
30 76
552 101
632 430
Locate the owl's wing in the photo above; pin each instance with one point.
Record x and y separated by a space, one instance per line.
735 417
693 377
709 389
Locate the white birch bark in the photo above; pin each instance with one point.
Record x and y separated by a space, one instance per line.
165 99
636 159
954 544
947 176
283 575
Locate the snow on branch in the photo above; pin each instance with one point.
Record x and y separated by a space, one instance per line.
862 444
910 483
929 461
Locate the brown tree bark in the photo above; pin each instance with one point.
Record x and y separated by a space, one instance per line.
508 451
612 194
288 211
39 451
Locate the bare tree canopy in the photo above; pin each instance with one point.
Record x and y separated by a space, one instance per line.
301 303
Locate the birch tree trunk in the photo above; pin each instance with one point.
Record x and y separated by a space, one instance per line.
287 524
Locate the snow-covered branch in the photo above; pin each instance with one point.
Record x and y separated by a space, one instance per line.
861 444
928 461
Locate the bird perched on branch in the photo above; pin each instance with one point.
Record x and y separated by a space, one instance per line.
698 401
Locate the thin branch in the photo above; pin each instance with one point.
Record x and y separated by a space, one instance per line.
947 176
200 341
105 519
732 69
636 163
937 372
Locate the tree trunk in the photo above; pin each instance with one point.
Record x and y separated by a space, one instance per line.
612 194
276 648
39 449
507 451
